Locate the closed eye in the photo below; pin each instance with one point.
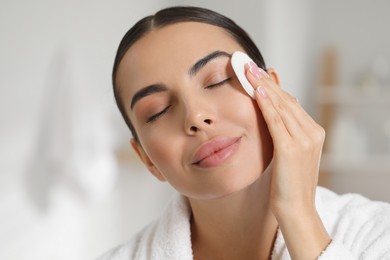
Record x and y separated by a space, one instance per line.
219 83
157 115
165 110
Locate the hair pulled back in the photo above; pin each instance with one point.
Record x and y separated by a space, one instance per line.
174 15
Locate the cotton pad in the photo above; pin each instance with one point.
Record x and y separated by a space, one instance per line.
238 60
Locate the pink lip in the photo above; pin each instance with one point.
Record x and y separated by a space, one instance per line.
215 151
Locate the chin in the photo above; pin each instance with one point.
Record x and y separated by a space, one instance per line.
222 188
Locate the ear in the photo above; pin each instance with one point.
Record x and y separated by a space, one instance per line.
274 76
146 160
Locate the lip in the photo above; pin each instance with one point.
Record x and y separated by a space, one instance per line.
216 151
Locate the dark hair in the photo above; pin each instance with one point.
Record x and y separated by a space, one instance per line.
174 15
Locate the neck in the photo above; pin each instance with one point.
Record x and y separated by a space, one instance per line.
238 226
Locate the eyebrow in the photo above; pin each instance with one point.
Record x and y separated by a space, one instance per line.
203 61
156 88
146 91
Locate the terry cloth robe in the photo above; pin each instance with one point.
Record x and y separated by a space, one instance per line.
359 227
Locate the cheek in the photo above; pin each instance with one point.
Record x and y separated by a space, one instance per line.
242 109
158 148
162 145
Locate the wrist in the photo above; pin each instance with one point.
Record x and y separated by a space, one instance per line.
290 210
303 231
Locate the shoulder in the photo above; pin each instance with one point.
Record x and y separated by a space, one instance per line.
360 224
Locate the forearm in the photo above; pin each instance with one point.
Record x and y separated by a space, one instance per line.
303 232
298 142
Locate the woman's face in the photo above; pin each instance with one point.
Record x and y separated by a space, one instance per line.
197 127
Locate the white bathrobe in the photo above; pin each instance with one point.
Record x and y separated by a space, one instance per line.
359 227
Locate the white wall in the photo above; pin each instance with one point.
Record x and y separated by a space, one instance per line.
56 62
70 46
356 28
280 30
33 34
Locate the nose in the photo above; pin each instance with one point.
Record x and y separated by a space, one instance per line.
198 118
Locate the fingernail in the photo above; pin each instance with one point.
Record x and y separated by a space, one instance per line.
261 91
265 74
256 71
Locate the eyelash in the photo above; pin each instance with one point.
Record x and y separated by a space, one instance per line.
155 116
165 110
219 83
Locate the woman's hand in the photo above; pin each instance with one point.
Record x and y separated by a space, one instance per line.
298 142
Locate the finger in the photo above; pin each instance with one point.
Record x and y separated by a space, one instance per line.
278 104
292 105
276 125
309 129
260 77
303 117
298 109
288 118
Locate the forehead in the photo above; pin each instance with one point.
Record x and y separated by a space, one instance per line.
166 52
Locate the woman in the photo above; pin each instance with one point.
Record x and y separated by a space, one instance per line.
246 170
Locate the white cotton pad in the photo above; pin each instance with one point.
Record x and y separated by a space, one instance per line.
238 60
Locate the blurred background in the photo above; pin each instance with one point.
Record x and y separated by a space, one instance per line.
70 186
